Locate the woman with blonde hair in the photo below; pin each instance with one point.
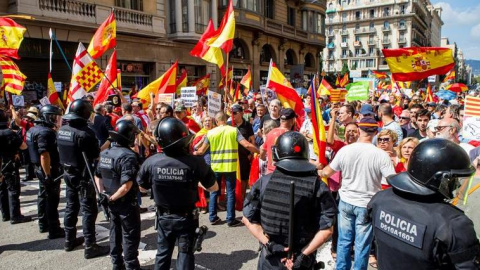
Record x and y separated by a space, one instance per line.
404 151
386 139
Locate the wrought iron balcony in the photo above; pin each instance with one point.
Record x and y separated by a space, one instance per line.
386 28
344 32
402 40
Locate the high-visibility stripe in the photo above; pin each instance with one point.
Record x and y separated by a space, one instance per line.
223 160
223 152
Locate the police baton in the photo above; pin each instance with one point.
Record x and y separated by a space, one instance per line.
105 208
291 223
6 165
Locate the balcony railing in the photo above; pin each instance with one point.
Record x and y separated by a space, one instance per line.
68 7
402 40
330 33
343 44
357 43
402 27
344 32
133 17
371 42
386 28
385 41
344 56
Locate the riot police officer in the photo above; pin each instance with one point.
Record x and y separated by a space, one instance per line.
266 207
116 179
43 152
9 176
173 177
73 139
414 226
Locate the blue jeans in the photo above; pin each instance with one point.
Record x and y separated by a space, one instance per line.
353 226
230 184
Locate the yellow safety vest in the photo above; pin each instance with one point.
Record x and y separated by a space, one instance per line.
223 148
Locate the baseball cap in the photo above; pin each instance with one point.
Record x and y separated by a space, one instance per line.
368 124
366 109
237 108
180 107
287 114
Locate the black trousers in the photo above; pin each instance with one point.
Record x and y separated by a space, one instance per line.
48 200
173 228
270 262
124 234
80 193
10 191
28 166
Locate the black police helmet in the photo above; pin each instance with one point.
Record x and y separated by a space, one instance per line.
124 133
434 167
3 116
291 153
172 134
48 114
79 109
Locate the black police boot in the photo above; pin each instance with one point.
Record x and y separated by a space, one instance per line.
20 219
96 251
4 218
43 228
59 233
118 267
70 245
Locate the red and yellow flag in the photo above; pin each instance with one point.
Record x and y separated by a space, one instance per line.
229 78
345 80
450 76
338 95
52 94
285 92
181 81
379 75
225 32
247 79
417 63
105 37
109 78
429 95
163 85
325 88
206 52
202 84
472 106
337 81
11 36
404 85
13 79
319 136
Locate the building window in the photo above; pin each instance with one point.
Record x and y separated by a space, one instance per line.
386 25
330 17
289 58
305 20
402 24
344 27
344 16
372 25
357 38
239 50
202 15
386 12
344 53
358 52
371 51
320 22
330 30
250 5
185 16
357 26
266 54
403 9
291 16
370 63
372 13
344 39
309 60
268 12
173 25
130 4
235 3
358 16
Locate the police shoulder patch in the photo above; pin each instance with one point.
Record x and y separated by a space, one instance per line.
105 163
65 135
400 227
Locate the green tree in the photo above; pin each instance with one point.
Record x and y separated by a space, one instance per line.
345 68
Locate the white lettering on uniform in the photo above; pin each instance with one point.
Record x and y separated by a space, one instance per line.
170 171
398 223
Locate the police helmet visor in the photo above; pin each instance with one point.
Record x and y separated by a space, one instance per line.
451 183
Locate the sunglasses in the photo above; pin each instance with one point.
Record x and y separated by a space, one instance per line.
158 109
383 140
440 128
404 118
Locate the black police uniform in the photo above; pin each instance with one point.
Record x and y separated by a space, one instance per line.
72 140
117 166
10 186
174 183
268 203
41 139
408 228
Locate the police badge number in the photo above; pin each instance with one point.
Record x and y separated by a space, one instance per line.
401 228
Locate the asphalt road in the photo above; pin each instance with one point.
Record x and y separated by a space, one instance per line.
23 247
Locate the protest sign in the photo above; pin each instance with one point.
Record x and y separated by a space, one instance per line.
357 91
214 103
18 101
189 95
167 99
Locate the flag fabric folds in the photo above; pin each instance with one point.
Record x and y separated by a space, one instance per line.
181 82
337 81
109 78
318 128
13 79
379 75
165 84
417 63
104 38
429 95
225 32
11 36
285 92
52 94
85 74
337 95
345 80
229 77
472 106
247 79
325 88
202 84
450 76
206 52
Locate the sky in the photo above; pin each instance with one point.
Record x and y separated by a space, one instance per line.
461 20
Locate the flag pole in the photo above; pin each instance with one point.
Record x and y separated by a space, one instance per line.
52 36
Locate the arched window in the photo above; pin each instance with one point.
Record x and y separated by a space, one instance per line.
267 53
240 50
290 58
386 24
309 60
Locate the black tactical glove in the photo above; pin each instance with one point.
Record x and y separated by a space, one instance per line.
103 198
48 180
274 248
303 262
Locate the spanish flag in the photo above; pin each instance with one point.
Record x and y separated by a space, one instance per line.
105 37
325 88
11 36
247 79
202 84
345 80
181 82
337 81
206 52
319 137
429 96
417 63
52 93
225 32
109 80
285 92
379 75
450 76
13 79
163 85
229 77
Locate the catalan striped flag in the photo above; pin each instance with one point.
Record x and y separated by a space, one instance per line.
104 38
318 128
338 95
13 79
11 36
472 106
429 95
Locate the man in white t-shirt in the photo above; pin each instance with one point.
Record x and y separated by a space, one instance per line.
363 166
